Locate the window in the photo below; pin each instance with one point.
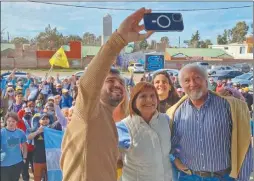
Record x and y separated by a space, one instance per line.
242 50
225 48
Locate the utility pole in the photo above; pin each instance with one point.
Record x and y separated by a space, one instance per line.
8 37
179 40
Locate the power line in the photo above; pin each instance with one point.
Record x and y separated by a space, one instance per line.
129 9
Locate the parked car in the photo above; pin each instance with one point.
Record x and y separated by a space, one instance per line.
226 74
136 68
244 80
244 67
219 69
79 74
203 64
175 72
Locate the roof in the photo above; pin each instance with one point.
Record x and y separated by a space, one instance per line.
90 50
5 46
199 52
86 50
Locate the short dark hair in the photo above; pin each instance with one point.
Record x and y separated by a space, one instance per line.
114 71
18 93
13 115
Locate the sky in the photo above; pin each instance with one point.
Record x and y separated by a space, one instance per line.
27 19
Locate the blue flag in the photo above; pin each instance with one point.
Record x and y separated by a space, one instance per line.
53 140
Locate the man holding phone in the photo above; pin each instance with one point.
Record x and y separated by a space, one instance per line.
90 143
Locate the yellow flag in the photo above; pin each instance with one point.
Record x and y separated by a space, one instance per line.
59 59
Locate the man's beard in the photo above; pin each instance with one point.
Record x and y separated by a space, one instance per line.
114 101
195 95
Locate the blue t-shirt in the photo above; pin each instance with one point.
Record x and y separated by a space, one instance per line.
10 144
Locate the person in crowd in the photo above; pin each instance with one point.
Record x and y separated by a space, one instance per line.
180 92
211 138
219 85
13 149
229 83
66 99
59 89
39 161
165 90
52 88
90 140
213 84
17 105
25 125
33 91
45 89
248 97
228 91
3 85
144 137
130 82
38 106
8 99
168 97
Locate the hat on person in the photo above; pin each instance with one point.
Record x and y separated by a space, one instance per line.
65 91
44 115
19 79
19 88
28 110
134 93
10 84
245 89
51 98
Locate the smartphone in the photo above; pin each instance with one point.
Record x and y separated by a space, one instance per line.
163 22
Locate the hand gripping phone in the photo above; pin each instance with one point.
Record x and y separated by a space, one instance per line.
163 22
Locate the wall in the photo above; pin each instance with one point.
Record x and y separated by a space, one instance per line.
234 50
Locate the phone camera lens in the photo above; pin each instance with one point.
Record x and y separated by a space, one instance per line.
163 21
177 17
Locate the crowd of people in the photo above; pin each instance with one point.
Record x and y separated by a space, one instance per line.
161 128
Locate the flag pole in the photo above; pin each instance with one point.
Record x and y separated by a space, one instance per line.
47 74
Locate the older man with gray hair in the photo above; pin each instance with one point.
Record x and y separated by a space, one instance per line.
211 137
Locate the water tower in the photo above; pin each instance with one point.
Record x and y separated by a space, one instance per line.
107 28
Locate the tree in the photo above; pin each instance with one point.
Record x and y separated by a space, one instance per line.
73 38
89 39
195 40
98 41
50 39
153 44
208 42
165 40
143 45
224 38
239 32
20 40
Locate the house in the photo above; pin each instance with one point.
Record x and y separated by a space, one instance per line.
195 54
237 50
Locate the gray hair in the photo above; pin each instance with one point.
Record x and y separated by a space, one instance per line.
194 66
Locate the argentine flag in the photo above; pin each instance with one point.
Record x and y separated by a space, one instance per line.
53 140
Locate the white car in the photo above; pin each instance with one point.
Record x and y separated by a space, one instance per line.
218 69
175 72
136 68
